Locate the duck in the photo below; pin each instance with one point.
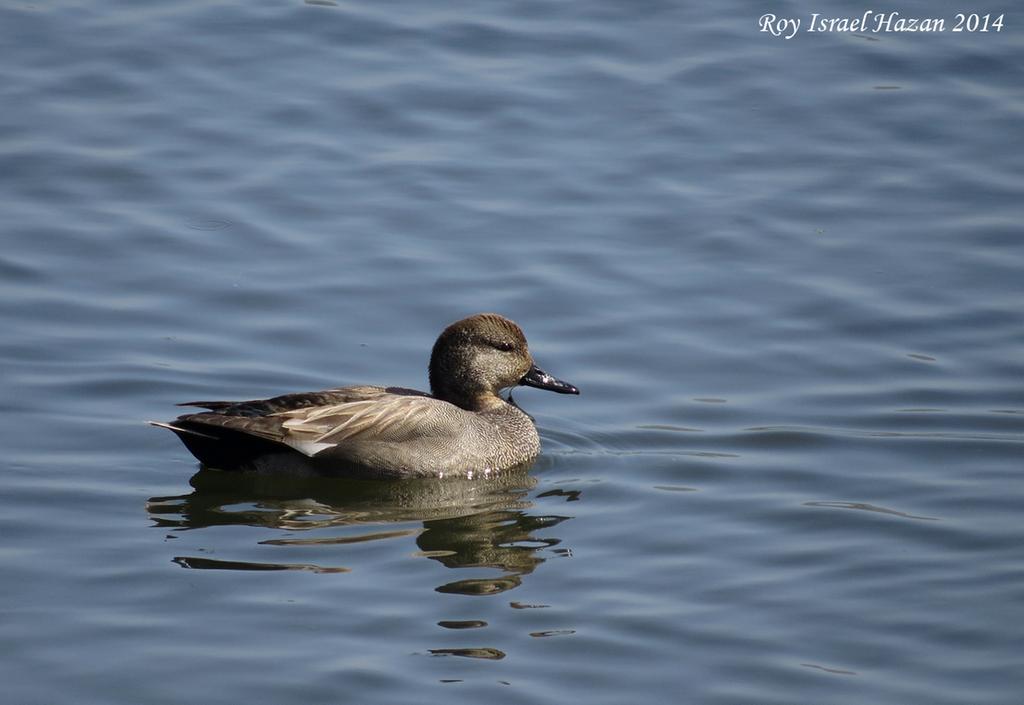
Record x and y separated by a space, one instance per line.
462 427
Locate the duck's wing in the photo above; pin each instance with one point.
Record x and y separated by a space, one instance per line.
314 422
388 418
301 400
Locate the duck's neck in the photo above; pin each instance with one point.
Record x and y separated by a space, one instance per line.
456 382
472 401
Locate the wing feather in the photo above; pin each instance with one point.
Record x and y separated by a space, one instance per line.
315 422
392 418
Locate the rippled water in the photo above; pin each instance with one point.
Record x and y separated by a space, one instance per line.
787 276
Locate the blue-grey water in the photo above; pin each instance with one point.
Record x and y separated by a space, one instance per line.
788 276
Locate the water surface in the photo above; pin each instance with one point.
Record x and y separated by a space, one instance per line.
786 275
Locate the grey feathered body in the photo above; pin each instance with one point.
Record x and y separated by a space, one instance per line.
361 431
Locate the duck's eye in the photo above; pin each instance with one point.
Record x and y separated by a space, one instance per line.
505 346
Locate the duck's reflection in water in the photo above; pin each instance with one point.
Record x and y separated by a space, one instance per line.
483 522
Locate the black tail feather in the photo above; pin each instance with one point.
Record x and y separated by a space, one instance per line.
211 405
220 447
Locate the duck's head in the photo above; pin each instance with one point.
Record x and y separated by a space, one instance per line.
475 358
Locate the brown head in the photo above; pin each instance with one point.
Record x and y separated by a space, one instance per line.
475 358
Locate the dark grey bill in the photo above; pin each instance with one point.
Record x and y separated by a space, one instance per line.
540 379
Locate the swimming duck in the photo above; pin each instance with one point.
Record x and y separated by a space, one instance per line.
462 427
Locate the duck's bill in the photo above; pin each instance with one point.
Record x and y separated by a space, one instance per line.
540 379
